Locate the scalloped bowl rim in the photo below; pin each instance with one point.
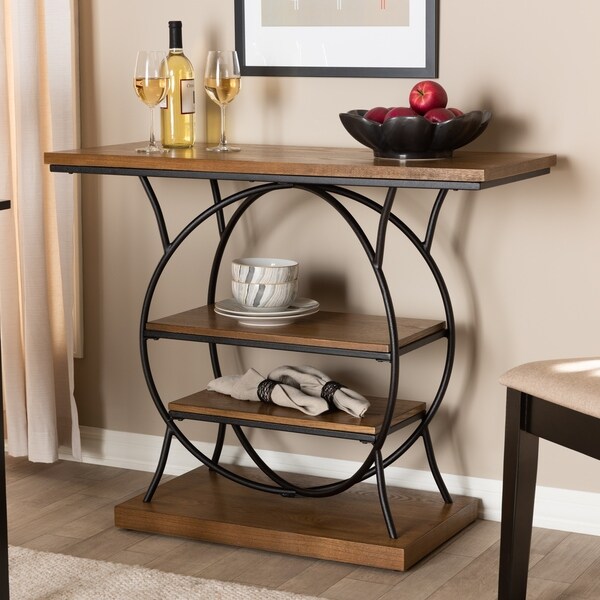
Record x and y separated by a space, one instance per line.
359 113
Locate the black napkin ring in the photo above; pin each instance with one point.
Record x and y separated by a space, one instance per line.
264 389
328 390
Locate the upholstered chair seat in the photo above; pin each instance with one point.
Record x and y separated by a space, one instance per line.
573 383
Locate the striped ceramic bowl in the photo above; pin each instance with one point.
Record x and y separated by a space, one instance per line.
264 270
261 296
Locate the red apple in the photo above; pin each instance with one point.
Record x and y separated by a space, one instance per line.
400 111
427 95
439 115
377 114
457 112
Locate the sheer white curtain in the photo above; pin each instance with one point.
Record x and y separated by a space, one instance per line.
38 112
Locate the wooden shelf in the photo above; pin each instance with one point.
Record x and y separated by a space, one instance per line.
343 332
348 527
212 406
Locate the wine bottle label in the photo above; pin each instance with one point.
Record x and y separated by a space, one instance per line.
188 96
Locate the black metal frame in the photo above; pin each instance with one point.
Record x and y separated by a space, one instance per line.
528 419
374 464
328 189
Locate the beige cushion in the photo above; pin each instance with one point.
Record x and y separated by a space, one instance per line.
573 383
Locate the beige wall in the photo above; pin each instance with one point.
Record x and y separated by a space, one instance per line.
521 260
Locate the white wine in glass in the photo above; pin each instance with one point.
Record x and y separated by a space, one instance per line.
222 83
150 83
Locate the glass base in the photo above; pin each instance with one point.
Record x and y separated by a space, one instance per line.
150 149
223 148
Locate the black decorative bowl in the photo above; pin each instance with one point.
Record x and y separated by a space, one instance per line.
415 137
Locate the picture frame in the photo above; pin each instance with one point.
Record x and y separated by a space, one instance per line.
337 38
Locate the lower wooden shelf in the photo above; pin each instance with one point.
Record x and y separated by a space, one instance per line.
348 527
207 405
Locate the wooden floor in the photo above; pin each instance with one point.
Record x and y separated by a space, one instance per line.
67 507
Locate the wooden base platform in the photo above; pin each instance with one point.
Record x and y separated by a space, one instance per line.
347 528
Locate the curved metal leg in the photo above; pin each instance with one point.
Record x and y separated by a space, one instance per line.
219 443
383 499
160 468
434 468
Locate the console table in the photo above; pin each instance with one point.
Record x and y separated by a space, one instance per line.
347 520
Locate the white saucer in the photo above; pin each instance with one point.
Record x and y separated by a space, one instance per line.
301 307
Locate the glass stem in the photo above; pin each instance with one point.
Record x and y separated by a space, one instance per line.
152 141
223 138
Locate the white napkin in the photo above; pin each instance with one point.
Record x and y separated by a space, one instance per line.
249 385
313 382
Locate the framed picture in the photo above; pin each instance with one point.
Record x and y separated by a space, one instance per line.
337 38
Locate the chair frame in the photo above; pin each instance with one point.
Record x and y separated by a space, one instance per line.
528 419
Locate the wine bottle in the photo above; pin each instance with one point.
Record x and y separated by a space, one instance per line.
179 106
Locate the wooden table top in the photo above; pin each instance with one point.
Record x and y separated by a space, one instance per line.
466 169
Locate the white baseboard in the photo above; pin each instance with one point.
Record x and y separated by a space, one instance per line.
567 510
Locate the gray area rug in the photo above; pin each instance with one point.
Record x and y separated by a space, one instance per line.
44 576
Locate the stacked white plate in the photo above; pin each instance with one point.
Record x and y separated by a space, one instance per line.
264 317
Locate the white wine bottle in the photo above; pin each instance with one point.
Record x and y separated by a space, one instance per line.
178 109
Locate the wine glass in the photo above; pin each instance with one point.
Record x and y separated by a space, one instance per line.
150 82
222 83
